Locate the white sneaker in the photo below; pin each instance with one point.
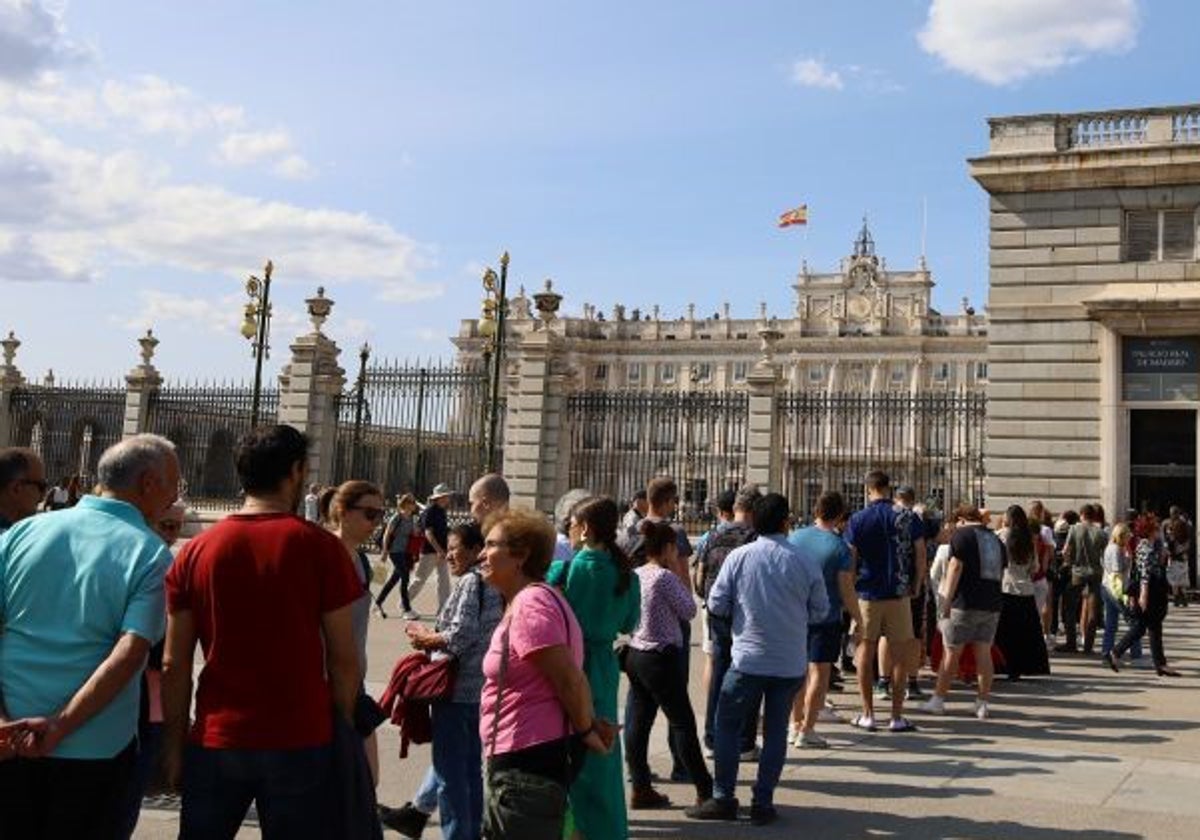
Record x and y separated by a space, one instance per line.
828 715
981 709
810 741
935 705
412 615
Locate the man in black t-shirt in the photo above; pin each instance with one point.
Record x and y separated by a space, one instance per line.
436 529
969 602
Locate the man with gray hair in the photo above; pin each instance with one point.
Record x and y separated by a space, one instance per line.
81 601
22 485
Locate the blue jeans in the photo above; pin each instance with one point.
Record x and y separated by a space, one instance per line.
740 693
1113 613
454 784
720 633
293 790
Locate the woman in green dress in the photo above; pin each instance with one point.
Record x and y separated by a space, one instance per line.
604 593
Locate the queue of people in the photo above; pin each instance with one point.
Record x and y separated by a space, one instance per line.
532 635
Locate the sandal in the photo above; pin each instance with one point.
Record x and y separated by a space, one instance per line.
901 724
865 722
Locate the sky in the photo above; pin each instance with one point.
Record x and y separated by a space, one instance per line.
154 154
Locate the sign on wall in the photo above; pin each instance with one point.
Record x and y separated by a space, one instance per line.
1160 369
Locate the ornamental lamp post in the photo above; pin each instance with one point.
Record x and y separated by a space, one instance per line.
491 326
256 328
364 353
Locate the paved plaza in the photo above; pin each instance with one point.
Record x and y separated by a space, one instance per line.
1084 753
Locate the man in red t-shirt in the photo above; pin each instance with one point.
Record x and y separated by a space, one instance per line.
267 595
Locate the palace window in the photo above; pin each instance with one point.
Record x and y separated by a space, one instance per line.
1160 235
981 371
702 372
816 374
633 373
666 372
898 374
941 371
600 372
739 371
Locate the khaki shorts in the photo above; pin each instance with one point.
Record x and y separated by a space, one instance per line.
889 619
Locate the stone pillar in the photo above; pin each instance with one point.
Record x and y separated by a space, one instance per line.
140 385
536 443
309 387
1114 426
10 380
764 450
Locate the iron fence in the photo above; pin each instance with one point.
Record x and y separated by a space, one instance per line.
205 422
69 426
933 442
619 440
410 426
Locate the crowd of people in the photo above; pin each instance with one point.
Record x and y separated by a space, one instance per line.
516 681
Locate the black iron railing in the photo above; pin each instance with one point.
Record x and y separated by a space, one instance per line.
933 442
69 426
205 422
620 440
410 426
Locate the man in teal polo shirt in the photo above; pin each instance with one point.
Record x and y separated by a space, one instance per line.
81 602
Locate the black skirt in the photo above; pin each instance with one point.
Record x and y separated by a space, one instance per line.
1019 637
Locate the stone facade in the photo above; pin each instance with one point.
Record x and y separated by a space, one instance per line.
1092 223
862 327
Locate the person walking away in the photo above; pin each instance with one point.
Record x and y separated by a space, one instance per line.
1019 632
821 544
71 655
269 597
398 546
884 540
653 683
535 695
453 785
1082 554
22 485
1039 520
605 596
970 603
771 593
1117 564
1147 596
435 527
904 505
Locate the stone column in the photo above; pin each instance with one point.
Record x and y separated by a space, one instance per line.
140 385
764 450
536 442
10 380
1114 427
309 387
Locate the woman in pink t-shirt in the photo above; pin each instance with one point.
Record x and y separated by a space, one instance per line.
535 696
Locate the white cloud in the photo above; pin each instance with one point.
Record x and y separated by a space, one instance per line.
294 168
811 72
1004 41
244 147
32 40
155 106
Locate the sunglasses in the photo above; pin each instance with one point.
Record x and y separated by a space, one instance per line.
371 514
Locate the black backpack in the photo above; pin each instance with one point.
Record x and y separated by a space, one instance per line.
716 548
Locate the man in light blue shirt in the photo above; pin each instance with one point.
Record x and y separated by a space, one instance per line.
81 603
772 593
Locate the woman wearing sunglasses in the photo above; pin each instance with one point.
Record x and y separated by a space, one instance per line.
353 510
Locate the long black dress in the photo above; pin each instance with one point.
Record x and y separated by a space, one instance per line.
1019 634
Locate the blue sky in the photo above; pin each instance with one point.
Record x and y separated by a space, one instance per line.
153 154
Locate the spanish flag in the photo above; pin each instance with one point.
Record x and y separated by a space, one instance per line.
799 216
